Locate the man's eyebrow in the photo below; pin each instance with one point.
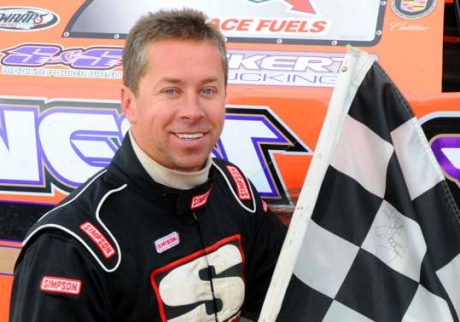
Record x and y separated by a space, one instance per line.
210 80
173 80
170 80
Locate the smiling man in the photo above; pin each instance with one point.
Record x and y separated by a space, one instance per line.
177 110
165 232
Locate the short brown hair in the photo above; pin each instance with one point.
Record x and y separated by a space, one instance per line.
185 24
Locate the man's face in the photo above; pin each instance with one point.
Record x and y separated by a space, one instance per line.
178 113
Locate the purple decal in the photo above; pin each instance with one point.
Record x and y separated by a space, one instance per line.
99 58
441 145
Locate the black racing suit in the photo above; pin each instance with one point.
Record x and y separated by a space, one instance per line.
124 248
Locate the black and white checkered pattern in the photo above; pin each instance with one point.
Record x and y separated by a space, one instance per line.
383 242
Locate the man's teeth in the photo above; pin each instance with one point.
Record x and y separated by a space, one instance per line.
190 136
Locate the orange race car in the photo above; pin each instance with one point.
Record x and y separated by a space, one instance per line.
60 74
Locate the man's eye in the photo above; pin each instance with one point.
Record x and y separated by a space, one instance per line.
208 91
169 91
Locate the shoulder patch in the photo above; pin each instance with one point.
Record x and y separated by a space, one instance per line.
242 188
92 236
99 239
238 183
86 227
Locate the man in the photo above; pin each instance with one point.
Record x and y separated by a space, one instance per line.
165 232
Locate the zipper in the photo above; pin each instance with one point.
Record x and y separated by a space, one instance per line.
209 269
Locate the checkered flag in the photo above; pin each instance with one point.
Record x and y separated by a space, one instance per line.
375 235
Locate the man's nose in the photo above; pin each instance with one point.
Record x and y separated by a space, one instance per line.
192 108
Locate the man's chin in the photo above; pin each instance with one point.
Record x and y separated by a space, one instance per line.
186 164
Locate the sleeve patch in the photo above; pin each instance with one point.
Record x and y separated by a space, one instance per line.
52 284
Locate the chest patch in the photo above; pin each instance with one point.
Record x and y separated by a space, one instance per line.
200 200
167 242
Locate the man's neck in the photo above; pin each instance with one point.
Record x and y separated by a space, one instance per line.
171 178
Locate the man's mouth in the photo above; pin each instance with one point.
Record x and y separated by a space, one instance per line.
191 136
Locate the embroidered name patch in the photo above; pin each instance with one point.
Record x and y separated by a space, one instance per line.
241 185
167 242
199 200
96 236
60 285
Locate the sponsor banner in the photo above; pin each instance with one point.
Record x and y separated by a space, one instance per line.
287 43
247 21
246 67
275 68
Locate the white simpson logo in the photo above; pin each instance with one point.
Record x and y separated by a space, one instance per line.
101 242
242 187
61 285
167 242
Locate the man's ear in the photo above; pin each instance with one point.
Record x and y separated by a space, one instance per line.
128 104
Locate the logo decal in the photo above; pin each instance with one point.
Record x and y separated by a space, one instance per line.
61 285
413 9
241 185
200 200
26 18
413 5
64 133
167 242
96 236
188 288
